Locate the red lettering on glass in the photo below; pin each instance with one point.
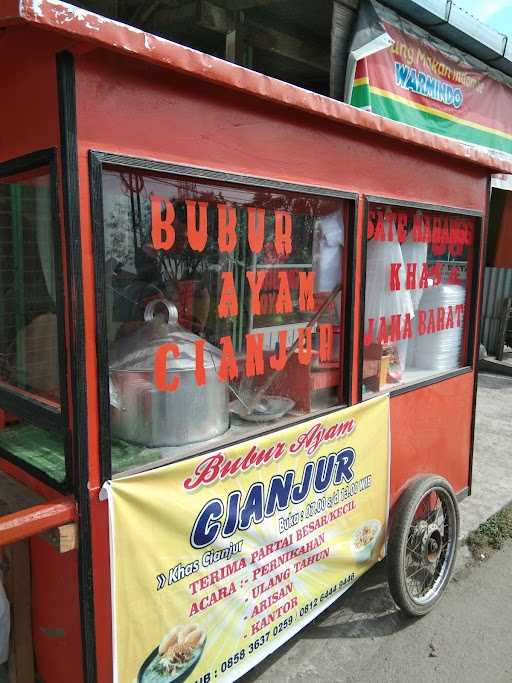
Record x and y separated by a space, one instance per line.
284 300
197 236
254 354
278 362
255 229
228 368
160 371
163 234
306 291
228 304
283 232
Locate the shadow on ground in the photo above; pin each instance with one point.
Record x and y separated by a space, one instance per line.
488 381
365 610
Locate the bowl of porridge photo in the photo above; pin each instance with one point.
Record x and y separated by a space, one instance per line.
175 657
364 540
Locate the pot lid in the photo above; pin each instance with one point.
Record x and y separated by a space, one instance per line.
136 351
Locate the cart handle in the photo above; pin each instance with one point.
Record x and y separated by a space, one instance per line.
36 519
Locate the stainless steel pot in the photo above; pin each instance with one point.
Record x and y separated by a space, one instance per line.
142 414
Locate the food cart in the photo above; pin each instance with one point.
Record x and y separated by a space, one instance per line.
239 325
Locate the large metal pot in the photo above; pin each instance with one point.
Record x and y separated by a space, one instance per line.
142 414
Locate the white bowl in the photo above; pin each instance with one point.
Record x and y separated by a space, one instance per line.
363 552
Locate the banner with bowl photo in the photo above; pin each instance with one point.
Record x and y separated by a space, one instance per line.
219 559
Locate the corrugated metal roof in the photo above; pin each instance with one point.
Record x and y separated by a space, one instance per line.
497 286
450 22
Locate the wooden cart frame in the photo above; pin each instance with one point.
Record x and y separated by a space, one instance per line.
77 58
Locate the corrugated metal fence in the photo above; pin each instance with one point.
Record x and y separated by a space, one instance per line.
497 286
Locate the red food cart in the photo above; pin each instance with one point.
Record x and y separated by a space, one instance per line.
208 277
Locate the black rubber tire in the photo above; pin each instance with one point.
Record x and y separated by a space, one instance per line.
397 543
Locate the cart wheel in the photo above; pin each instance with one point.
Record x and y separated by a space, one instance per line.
422 544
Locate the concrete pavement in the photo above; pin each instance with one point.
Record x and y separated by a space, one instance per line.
363 638
492 460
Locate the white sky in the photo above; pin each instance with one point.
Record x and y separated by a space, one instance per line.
495 13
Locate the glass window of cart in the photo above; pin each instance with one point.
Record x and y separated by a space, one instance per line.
29 338
419 266
224 308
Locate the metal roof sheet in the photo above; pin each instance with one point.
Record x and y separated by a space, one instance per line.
453 24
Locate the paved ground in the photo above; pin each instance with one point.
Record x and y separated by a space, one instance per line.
492 461
363 638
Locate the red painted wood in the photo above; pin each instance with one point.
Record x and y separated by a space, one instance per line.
30 122
10 12
125 107
502 258
97 31
175 120
28 480
102 596
90 325
431 433
30 74
189 108
56 630
34 520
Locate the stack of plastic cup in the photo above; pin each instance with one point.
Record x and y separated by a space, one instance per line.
440 350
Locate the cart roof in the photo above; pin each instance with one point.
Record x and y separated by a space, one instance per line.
86 26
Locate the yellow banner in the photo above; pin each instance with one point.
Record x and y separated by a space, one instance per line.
219 559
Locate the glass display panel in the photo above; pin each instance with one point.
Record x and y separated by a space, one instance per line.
29 357
37 447
224 310
419 267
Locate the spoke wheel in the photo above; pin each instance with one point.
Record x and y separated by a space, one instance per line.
422 544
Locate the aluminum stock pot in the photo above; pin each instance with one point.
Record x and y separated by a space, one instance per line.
142 414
